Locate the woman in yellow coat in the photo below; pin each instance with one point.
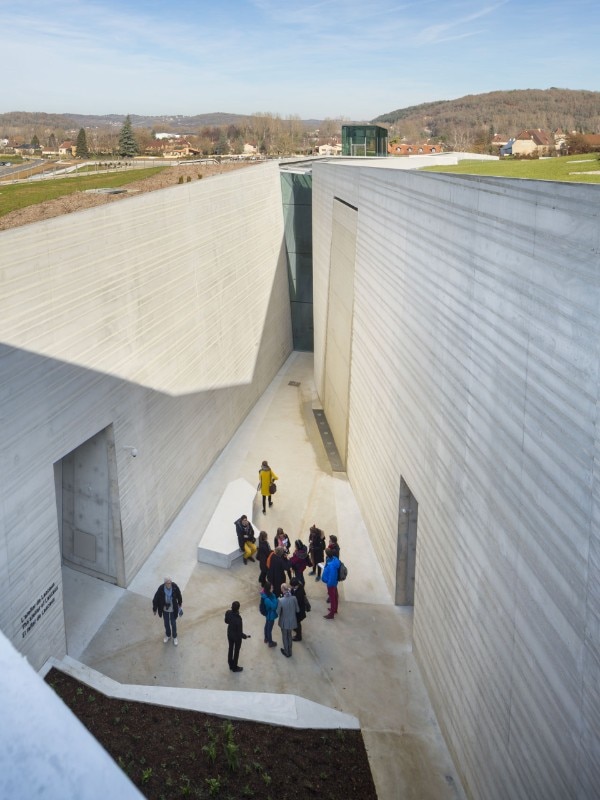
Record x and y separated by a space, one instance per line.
266 476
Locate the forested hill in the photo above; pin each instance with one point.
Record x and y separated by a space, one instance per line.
505 112
24 119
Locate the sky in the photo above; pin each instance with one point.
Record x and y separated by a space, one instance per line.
350 59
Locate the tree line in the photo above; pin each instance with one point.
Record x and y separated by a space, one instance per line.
269 133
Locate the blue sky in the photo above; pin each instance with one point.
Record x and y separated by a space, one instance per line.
327 58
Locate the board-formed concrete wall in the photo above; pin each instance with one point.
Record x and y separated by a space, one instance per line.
474 376
162 317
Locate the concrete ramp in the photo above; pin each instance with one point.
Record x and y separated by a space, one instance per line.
219 544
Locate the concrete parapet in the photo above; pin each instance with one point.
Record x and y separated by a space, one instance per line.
273 709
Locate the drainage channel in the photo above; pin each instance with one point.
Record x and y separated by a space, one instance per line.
328 442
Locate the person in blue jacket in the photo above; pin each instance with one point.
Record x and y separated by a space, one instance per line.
270 602
330 577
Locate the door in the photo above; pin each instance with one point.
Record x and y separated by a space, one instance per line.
89 515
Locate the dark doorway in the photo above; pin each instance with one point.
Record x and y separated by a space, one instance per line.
406 557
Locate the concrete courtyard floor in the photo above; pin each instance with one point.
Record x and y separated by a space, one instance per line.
361 663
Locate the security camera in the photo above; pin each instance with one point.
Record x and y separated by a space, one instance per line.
134 453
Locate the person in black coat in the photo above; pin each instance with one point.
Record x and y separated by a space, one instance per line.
299 593
279 569
316 549
235 634
168 602
245 535
264 548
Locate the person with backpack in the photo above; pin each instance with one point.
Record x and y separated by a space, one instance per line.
331 573
264 551
268 608
266 484
316 549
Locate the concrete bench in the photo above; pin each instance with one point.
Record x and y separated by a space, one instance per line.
219 545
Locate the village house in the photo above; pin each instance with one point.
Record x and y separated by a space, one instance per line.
405 149
171 148
67 148
533 142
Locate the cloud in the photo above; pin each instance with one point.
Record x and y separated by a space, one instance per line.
447 31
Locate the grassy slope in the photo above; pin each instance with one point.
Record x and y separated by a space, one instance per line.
565 168
14 196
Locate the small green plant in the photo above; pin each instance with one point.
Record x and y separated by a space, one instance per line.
228 730
199 176
186 788
211 751
232 755
146 774
188 179
180 179
79 690
247 791
91 698
214 786
266 778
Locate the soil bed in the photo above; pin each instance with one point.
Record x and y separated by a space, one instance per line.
170 753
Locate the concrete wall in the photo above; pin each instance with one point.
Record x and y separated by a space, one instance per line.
161 318
474 377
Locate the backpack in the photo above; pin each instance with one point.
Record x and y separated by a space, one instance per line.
343 572
269 557
262 606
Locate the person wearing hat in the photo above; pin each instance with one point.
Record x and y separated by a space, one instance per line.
168 602
266 476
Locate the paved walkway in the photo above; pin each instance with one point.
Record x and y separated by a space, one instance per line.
360 664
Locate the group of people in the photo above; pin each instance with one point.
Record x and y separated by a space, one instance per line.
282 579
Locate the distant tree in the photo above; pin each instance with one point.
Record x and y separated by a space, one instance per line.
238 145
459 140
52 142
35 142
81 145
482 142
127 144
577 144
222 147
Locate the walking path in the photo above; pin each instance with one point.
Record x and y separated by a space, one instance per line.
361 663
